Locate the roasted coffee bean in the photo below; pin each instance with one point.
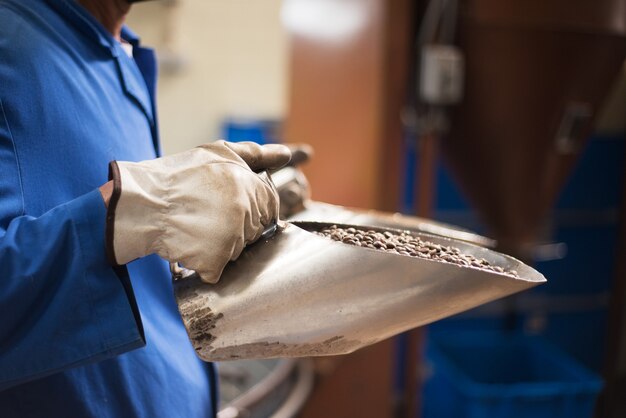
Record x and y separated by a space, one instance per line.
407 245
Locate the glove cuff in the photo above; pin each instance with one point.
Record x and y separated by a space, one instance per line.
134 216
114 175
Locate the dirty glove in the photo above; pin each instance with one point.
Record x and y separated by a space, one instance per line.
199 207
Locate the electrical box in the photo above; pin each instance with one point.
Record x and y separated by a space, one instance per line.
441 75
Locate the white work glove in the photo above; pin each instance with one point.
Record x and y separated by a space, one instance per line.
199 207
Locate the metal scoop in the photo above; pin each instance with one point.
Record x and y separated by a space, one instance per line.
298 294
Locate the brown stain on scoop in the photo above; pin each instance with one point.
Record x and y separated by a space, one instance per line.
273 349
199 320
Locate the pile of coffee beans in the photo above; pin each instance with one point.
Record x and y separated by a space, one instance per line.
406 244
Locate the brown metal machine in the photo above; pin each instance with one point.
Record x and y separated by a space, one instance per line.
536 75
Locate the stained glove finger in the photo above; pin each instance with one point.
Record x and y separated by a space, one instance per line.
213 275
266 203
212 267
261 157
300 154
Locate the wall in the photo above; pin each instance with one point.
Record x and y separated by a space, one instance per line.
218 58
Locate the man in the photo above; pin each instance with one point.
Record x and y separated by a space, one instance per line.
82 333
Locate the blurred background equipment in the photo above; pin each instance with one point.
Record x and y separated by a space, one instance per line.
492 158
257 389
505 118
535 81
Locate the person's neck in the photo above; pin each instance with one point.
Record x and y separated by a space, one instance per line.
110 13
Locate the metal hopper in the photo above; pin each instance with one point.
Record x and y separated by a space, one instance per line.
535 79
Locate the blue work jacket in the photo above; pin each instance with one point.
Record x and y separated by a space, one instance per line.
79 338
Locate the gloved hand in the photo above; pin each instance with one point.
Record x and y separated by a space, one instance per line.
199 207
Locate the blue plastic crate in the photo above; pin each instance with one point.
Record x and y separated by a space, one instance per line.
494 375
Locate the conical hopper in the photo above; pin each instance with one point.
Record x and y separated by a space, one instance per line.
535 77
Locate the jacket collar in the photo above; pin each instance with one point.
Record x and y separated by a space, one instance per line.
131 78
90 27
83 21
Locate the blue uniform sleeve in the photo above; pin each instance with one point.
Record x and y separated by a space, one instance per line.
62 304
